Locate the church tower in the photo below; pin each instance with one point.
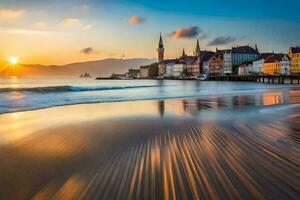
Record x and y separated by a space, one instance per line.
160 50
183 54
197 50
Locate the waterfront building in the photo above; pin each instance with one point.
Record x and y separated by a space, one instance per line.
285 65
246 68
179 69
294 54
149 71
144 71
277 64
204 61
227 61
133 74
169 69
193 66
168 65
175 68
205 67
216 65
258 65
236 56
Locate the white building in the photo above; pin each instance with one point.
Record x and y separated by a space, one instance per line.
258 66
205 67
175 69
179 69
227 62
238 55
169 68
285 65
246 68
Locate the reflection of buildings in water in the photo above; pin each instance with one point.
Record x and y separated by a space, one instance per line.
243 100
190 107
226 101
161 88
161 108
248 100
194 106
199 105
258 99
221 102
272 98
185 104
235 101
293 96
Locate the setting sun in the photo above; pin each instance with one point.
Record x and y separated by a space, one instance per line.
13 60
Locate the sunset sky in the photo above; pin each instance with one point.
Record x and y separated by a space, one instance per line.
60 32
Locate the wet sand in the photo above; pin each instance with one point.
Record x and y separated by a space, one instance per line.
234 147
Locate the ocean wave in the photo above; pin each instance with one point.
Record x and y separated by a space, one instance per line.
73 88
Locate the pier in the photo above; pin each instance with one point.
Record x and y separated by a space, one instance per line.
274 79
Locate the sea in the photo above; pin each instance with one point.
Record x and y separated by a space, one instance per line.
22 94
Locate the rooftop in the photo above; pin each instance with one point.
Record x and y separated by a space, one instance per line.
295 49
275 58
245 50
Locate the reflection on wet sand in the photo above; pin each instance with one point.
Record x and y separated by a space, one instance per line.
163 150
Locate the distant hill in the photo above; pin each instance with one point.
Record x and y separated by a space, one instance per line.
95 68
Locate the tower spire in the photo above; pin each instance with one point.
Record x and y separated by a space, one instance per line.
183 53
160 44
256 47
160 49
197 50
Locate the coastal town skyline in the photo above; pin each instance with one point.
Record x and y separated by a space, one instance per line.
76 31
202 64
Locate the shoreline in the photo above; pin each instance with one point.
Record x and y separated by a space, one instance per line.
152 99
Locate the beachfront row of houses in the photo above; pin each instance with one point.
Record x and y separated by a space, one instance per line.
242 60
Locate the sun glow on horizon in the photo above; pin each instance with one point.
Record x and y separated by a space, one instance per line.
13 60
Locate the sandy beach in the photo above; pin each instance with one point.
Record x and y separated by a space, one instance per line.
235 147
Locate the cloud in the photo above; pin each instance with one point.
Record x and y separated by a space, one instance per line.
221 40
136 20
190 32
11 14
87 27
87 51
69 21
40 25
82 7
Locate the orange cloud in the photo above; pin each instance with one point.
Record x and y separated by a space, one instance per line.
11 14
68 21
135 20
190 32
